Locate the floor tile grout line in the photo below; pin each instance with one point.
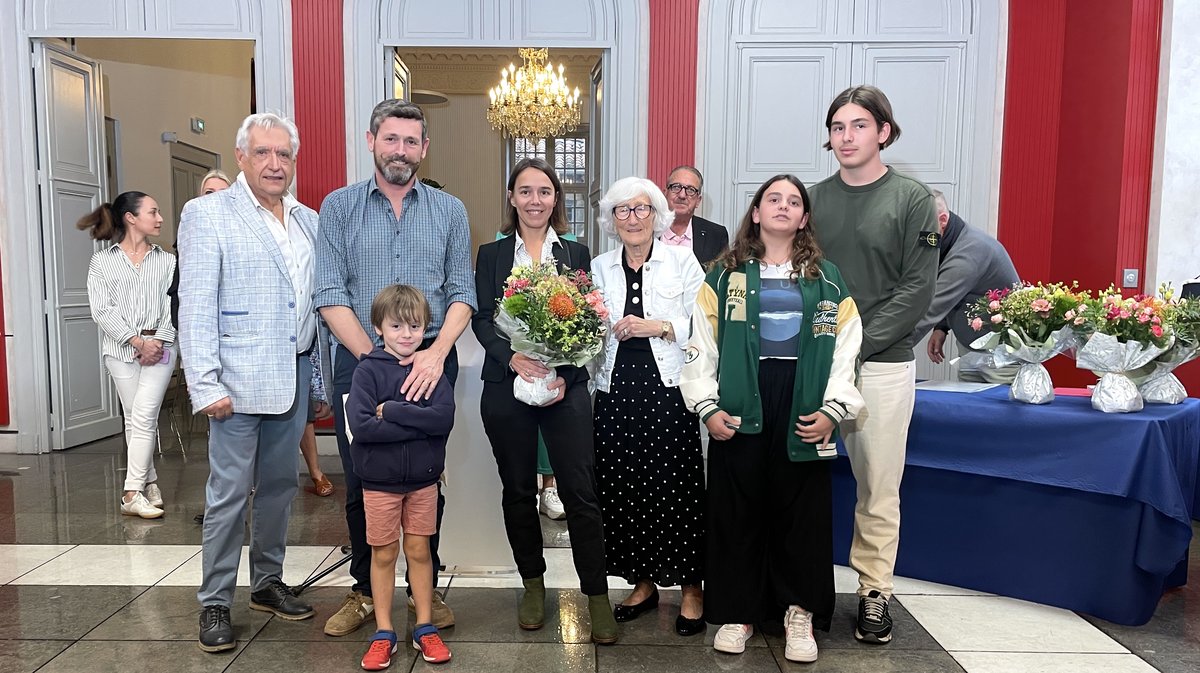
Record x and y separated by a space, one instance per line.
40 564
199 550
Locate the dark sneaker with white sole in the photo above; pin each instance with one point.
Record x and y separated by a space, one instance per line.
276 597
874 622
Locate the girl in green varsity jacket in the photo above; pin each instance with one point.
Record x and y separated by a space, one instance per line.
770 370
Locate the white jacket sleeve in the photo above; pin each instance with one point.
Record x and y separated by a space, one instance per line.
843 400
698 383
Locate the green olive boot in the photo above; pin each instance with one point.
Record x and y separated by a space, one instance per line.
604 625
531 615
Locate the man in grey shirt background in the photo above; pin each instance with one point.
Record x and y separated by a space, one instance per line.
970 264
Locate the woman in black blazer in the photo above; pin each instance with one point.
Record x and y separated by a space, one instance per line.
536 217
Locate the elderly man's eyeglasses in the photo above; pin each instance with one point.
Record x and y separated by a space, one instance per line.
643 211
676 187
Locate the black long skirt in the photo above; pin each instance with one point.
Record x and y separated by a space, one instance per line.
650 472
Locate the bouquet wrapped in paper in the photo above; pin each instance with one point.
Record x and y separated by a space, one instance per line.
1156 382
557 319
1028 324
1122 336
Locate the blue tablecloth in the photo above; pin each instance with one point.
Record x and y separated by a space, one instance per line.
1057 503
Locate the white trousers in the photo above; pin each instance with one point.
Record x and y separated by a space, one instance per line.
141 390
876 442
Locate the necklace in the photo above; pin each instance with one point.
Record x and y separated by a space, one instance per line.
136 258
787 261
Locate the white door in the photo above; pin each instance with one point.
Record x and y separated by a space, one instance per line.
71 181
596 166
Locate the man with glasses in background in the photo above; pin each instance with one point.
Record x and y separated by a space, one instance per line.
684 193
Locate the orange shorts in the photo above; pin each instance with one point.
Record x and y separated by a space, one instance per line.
389 513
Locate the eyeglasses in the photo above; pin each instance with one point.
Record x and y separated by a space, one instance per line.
676 187
643 211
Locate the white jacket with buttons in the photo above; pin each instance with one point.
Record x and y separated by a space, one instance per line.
671 279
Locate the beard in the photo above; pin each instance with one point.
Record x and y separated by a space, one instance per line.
396 169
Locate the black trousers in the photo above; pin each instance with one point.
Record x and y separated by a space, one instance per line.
512 426
770 520
356 519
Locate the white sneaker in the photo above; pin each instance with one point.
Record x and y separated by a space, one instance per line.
732 638
153 495
797 626
139 506
550 505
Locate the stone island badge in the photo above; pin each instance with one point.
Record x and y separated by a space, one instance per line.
930 238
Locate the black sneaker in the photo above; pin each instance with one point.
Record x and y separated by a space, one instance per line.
276 597
216 631
874 622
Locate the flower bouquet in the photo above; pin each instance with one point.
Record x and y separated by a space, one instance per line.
1122 335
558 319
1155 381
1029 324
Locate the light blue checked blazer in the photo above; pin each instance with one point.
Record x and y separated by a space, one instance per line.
237 321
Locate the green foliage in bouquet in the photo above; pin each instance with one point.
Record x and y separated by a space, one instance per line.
1142 318
1027 313
1182 316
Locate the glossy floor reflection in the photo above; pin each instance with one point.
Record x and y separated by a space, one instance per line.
86 589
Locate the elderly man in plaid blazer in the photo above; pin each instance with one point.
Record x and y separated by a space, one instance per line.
247 328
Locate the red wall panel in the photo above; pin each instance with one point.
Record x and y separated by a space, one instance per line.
672 106
1029 166
319 85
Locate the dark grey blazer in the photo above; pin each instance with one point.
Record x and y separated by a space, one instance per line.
710 240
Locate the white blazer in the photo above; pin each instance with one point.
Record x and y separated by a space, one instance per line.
671 279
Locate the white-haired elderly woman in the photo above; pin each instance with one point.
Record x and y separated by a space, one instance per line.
649 466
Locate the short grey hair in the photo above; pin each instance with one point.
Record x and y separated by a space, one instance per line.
400 109
627 189
267 121
939 200
690 169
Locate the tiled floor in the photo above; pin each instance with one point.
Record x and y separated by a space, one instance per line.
85 589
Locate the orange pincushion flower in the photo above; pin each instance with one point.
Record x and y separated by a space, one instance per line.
560 305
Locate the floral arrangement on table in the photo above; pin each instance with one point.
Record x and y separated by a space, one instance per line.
558 319
1121 336
1028 324
1155 381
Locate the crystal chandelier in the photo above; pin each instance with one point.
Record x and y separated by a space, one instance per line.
533 101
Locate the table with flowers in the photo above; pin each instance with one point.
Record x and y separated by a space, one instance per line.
1054 503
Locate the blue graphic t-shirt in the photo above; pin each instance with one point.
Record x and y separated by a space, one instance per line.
781 313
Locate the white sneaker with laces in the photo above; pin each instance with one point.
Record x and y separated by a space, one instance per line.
732 638
153 495
797 626
139 506
551 505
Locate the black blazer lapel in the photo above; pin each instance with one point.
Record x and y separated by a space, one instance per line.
506 249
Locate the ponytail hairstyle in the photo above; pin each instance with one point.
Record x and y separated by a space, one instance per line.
107 223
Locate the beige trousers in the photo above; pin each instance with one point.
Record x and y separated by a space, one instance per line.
876 442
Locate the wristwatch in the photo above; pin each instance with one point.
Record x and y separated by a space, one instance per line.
666 327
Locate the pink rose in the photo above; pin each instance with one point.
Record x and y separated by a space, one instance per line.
1156 330
1080 320
994 305
998 318
1040 306
976 324
1142 317
1069 314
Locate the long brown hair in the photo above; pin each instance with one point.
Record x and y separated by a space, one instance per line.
558 216
748 246
107 223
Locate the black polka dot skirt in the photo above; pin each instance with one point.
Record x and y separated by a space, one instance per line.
650 471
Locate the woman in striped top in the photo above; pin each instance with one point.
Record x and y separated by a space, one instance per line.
127 290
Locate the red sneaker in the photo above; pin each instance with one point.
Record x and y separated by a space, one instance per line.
427 641
379 656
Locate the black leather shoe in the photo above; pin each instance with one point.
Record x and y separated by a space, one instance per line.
686 626
216 631
626 613
276 597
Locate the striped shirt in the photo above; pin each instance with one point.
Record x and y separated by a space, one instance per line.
126 300
362 248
